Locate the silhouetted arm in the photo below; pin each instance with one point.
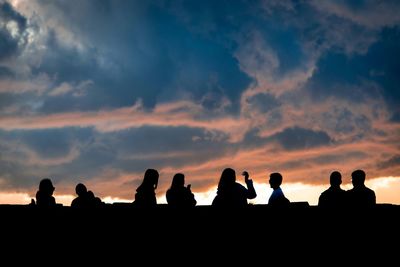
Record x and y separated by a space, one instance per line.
191 198
246 176
251 192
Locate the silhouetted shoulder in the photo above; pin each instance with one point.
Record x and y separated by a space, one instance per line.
361 197
279 201
332 198
44 200
277 198
180 198
179 195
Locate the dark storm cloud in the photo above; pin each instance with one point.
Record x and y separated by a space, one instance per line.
344 121
138 50
390 163
5 72
252 139
8 42
6 100
8 45
148 139
299 138
8 13
50 143
292 138
361 76
264 102
128 151
395 117
190 47
157 147
30 155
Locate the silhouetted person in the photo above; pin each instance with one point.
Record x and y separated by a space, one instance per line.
277 198
85 199
360 195
145 194
179 196
96 201
232 194
44 196
334 196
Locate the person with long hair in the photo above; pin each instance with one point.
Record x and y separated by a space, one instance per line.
231 193
145 194
179 195
44 196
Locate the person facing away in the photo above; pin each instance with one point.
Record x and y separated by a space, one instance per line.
179 196
360 195
44 196
232 194
145 194
85 199
334 196
277 198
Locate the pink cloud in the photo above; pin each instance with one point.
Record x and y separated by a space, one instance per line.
372 14
174 114
37 85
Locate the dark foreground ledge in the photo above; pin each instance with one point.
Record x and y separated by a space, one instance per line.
125 217
204 234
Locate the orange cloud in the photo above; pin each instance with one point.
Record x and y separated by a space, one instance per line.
181 113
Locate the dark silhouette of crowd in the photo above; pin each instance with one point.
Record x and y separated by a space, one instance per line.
230 193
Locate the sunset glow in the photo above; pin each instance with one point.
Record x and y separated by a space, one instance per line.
97 92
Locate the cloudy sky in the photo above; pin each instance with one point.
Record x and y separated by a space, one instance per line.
97 91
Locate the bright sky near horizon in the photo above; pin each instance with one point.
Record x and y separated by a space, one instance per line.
98 91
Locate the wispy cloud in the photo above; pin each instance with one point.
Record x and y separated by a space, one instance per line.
368 13
97 92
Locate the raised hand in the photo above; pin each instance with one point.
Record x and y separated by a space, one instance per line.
246 176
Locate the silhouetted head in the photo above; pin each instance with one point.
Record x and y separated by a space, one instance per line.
46 186
150 178
228 178
90 194
178 180
80 189
358 178
336 178
275 180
